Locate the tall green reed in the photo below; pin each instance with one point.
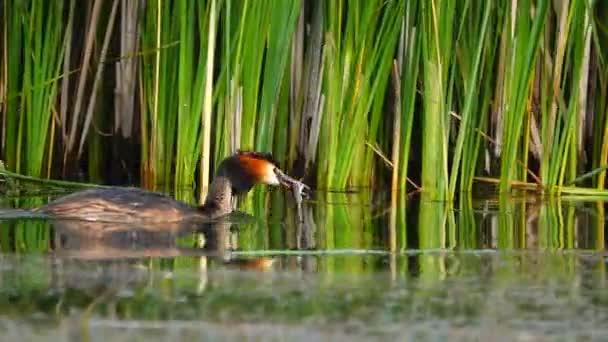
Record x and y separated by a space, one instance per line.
310 83
409 57
359 52
565 88
437 47
35 47
253 74
160 34
520 36
174 88
471 41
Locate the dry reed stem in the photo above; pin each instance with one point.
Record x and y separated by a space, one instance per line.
90 38
126 68
97 80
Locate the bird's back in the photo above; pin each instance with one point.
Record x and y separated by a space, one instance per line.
122 205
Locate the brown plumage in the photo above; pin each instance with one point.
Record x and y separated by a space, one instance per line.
236 174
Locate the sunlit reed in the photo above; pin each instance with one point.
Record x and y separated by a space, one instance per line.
373 93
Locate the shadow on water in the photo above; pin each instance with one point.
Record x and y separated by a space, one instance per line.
354 268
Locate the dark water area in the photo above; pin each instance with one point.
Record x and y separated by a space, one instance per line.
355 268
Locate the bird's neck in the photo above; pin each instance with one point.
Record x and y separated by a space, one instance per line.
219 198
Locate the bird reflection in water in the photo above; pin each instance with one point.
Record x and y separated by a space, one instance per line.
115 251
110 241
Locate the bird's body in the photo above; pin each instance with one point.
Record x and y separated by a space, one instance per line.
121 205
235 175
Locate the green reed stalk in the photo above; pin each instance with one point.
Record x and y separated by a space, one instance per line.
563 165
176 77
227 91
348 220
359 54
160 32
376 83
522 41
42 62
470 112
438 23
401 222
246 65
556 230
468 228
600 155
33 74
191 84
284 15
560 132
255 64
327 235
473 141
410 58
432 219
572 224
531 73
48 182
25 236
507 223
600 226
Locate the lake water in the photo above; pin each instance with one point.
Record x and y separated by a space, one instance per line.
355 268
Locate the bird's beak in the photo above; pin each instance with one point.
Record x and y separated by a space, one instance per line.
299 189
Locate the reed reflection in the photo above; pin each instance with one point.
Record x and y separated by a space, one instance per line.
120 251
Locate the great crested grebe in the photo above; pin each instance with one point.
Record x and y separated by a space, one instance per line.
236 174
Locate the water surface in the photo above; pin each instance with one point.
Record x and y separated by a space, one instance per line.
354 269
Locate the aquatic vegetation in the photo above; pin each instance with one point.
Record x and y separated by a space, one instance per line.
400 94
437 96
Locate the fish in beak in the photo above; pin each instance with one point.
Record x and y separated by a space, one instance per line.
299 189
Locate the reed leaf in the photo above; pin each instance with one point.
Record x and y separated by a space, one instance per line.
358 59
283 17
177 88
509 90
438 23
523 39
42 57
469 115
409 55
